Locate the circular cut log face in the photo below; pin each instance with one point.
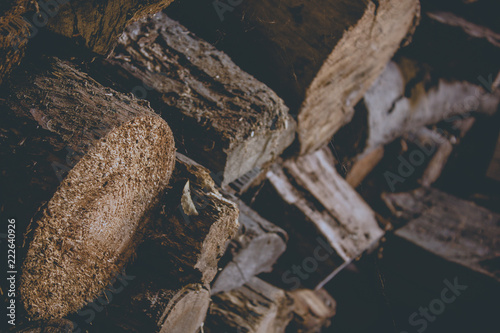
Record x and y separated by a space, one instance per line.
90 227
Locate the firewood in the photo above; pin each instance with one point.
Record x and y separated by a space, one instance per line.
93 220
312 310
98 26
254 251
327 222
406 96
193 228
154 306
319 57
451 228
256 307
221 117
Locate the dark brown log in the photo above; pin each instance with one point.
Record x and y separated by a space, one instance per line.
14 33
320 57
406 96
194 226
92 223
312 310
256 307
254 251
328 223
153 306
222 117
99 25
451 228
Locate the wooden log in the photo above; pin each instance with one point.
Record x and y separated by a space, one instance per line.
254 251
256 307
14 35
222 117
319 57
154 306
193 228
312 310
406 96
93 220
98 27
451 228
328 223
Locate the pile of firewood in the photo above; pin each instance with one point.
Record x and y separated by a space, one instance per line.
212 166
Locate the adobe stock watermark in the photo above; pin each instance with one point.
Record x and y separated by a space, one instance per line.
420 320
302 272
47 9
104 299
222 7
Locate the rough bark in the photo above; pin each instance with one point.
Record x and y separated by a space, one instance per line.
222 117
256 307
327 222
194 226
312 310
98 26
254 251
454 229
319 57
15 31
93 219
406 96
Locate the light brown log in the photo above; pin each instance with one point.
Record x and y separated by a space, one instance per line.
254 251
93 220
327 222
451 228
320 57
312 310
221 117
194 226
256 307
98 26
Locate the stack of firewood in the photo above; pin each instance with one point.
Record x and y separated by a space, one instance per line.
196 170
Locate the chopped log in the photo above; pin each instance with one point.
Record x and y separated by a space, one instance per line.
15 31
193 228
451 228
222 117
328 223
98 27
93 220
312 310
254 251
256 307
406 96
319 57
155 305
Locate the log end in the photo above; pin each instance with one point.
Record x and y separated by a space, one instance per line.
92 224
